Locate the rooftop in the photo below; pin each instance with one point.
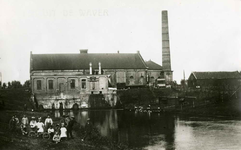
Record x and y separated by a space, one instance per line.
81 61
153 66
217 75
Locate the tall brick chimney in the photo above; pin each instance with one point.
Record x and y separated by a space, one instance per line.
166 57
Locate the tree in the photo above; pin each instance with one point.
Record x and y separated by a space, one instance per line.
183 82
26 84
16 84
9 85
4 85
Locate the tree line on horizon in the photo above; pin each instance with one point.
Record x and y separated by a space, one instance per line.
14 85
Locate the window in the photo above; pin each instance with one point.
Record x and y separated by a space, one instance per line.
51 84
83 83
96 72
131 77
72 83
39 86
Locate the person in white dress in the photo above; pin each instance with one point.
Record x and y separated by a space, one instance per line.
40 126
33 124
56 137
63 132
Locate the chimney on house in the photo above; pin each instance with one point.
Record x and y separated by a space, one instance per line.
83 51
99 68
90 68
166 58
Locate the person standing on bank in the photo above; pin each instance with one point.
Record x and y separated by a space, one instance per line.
40 126
88 130
48 122
24 123
70 127
12 124
63 131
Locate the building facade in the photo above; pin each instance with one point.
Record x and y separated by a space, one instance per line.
68 79
155 71
65 80
215 81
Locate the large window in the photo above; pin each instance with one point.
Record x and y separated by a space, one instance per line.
39 85
51 84
83 83
72 83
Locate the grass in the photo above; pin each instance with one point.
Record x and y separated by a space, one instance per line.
14 100
10 141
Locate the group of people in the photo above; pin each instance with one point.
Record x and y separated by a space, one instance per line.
60 132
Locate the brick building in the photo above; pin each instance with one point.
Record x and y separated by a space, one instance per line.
221 81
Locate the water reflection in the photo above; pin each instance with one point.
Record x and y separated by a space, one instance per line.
160 131
133 129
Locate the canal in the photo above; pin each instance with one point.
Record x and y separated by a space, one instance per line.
162 130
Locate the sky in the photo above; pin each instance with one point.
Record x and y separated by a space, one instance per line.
205 35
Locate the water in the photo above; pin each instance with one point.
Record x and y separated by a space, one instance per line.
162 131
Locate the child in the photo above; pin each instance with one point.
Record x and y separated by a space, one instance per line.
51 131
63 132
40 126
56 137
24 129
33 124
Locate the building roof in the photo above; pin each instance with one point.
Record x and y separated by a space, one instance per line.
153 66
217 75
81 61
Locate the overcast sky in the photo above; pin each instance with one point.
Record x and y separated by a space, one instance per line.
205 35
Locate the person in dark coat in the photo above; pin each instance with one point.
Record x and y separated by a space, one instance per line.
88 130
70 127
13 124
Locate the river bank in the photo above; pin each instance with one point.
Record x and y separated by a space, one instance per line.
16 140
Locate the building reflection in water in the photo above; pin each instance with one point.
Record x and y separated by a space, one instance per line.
134 129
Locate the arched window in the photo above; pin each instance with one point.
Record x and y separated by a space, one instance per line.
131 77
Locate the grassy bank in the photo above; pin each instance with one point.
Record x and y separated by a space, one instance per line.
15 99
10 141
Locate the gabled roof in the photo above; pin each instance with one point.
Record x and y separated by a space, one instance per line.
81 61
153 66
217 75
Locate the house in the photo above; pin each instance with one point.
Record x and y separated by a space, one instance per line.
221 81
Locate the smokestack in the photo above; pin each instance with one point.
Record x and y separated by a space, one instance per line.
99 68
90 68
166 58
